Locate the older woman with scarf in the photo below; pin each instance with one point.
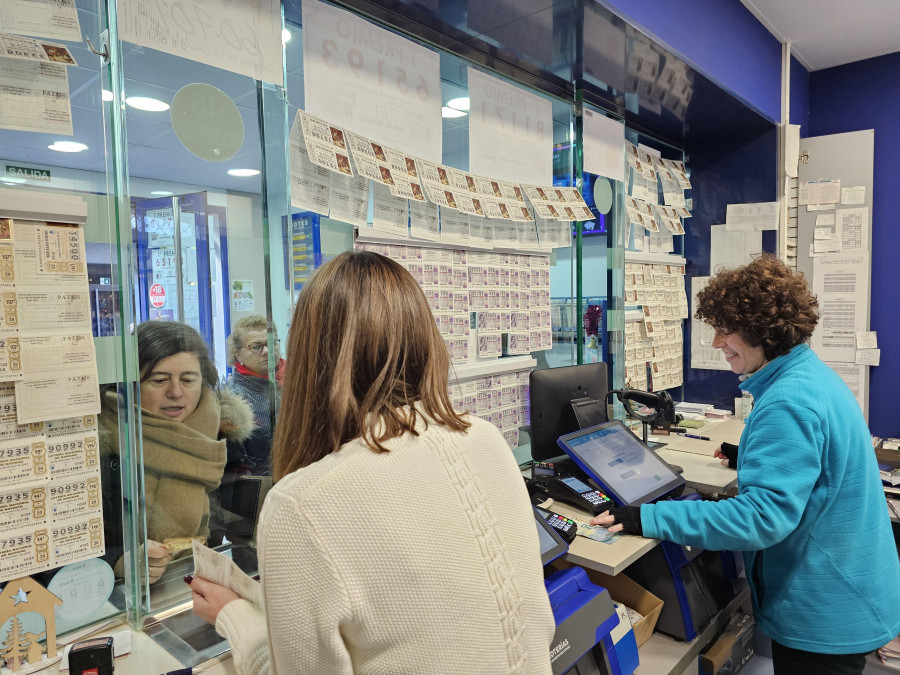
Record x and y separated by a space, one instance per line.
248 353
185 424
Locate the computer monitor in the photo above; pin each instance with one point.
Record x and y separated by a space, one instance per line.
552 545
624 468
551 393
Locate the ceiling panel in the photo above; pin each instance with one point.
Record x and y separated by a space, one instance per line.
827 33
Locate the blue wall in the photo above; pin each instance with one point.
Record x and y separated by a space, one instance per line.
866 95
721 39
800 97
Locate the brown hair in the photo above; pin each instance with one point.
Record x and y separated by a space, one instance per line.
240 328
363 344
764 302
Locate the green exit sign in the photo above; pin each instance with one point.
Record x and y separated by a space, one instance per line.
25 172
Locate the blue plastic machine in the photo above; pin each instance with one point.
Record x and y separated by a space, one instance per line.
589 639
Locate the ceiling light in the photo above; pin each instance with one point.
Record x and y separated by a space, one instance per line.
12 180
161 193
148 104
450 112
67 146
285 36
107 95
243 172
461 103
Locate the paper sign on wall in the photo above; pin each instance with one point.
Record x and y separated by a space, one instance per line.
366 79
604 142
241 37
510 131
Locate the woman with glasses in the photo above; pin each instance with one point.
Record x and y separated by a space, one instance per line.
248 354
399 537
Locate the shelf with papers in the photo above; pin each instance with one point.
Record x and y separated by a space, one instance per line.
654 258
507 364
370 235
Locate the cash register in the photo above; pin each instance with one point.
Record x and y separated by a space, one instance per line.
590 637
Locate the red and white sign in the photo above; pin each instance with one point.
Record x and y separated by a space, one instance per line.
157 295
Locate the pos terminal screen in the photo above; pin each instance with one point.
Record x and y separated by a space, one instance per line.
614 457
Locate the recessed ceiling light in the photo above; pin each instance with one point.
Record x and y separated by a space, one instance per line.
67 146
243 172
461 103
161 193
450 112
285 36
148 104
107 95
12 180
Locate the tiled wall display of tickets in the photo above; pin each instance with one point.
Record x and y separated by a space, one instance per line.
484 304
655 343
501 399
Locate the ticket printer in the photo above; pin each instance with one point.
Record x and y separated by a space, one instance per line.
589 639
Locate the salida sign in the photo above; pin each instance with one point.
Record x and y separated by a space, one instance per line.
157 295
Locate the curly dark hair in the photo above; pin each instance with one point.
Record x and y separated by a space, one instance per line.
764 302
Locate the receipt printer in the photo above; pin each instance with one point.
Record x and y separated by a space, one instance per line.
586 625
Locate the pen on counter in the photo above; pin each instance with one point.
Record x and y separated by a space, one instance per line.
187 671
702 438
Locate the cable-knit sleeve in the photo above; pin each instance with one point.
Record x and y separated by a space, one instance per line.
306 603
244 626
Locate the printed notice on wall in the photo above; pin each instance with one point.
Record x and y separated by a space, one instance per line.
604 145
241 37
57 19
368 80
841 285
510 131
34 96
703 354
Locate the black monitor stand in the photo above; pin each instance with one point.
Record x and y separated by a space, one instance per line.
589 412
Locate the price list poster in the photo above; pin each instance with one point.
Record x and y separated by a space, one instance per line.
50 504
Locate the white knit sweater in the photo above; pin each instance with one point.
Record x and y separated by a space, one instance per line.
421 560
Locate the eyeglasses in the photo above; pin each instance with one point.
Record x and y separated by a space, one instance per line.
708 334
257 347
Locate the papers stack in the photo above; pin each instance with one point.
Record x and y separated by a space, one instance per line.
890 654
686 407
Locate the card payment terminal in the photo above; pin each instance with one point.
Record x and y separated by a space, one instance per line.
571 490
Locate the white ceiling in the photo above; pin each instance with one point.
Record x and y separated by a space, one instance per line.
826 33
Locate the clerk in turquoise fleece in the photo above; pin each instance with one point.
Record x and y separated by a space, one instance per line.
810 514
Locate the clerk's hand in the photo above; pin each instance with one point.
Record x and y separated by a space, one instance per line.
158 559
727 454
624 519
209 598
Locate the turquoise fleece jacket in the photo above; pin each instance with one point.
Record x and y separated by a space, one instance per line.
810 514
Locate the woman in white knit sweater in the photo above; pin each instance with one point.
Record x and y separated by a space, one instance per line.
399 537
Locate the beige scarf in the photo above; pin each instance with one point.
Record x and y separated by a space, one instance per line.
183 463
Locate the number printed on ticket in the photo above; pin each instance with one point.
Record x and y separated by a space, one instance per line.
74 498
73 455
60 249
23 508
76 540
24 552
10 356
23 463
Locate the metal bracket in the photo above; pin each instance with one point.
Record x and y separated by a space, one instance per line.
805 157
104 42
